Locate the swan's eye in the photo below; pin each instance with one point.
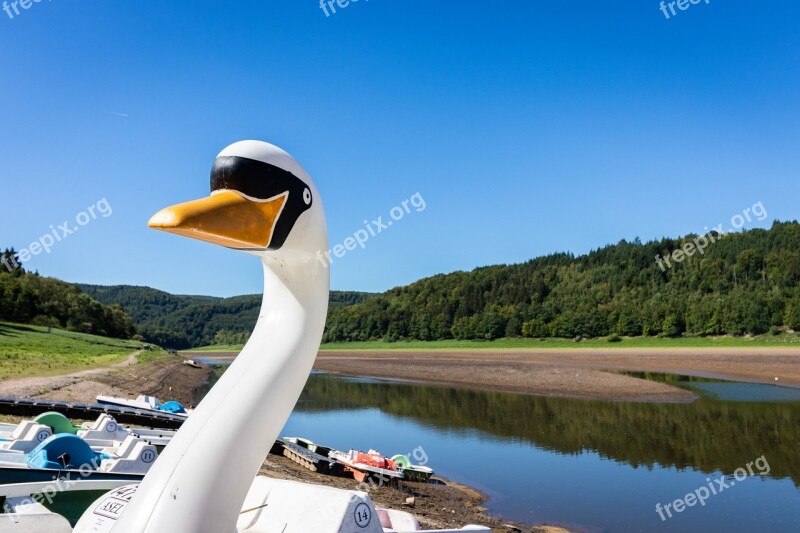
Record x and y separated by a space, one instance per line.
307 196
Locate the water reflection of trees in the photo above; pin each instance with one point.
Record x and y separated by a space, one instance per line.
706 435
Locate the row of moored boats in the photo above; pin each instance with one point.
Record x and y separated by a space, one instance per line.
51 446
368 466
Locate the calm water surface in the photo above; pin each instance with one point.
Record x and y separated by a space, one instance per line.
599 466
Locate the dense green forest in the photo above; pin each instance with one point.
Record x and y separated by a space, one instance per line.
181 321
744 283
29 298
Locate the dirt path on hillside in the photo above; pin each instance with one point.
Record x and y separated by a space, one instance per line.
37 386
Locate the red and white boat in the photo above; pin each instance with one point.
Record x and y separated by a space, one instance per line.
371 465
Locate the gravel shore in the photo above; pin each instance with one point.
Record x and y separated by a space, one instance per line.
437 505
578 373
168 379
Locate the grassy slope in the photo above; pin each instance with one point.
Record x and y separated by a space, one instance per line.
632 342
31 350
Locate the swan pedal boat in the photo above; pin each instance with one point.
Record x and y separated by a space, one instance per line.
263 203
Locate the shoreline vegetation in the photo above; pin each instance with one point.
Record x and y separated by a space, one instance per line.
510 343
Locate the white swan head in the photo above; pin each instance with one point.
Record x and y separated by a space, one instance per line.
262 201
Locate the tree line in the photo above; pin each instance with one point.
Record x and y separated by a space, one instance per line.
743 283
28 298
185 321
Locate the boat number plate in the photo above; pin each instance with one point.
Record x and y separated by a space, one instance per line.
363 515
115 503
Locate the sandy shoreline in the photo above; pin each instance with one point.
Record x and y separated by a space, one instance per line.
591 373
516 377
581 373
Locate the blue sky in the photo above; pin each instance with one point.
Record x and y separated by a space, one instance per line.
527 127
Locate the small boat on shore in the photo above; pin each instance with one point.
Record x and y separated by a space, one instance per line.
192 363
412 472
309 445
368 466
147 403
311 455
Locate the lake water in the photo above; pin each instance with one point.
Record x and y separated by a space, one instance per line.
598 466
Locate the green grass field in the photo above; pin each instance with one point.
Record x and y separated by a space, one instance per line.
217 348
35 351
511 343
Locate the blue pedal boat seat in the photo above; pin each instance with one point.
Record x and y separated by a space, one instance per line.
64 452
172 407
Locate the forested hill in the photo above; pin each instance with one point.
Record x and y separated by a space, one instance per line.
181 321
744 283
28 298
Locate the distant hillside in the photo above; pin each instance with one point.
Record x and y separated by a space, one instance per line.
28 298
744 283
181 321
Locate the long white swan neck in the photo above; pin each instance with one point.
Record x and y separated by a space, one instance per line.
200 480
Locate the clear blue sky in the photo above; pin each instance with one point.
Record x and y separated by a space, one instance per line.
527 127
